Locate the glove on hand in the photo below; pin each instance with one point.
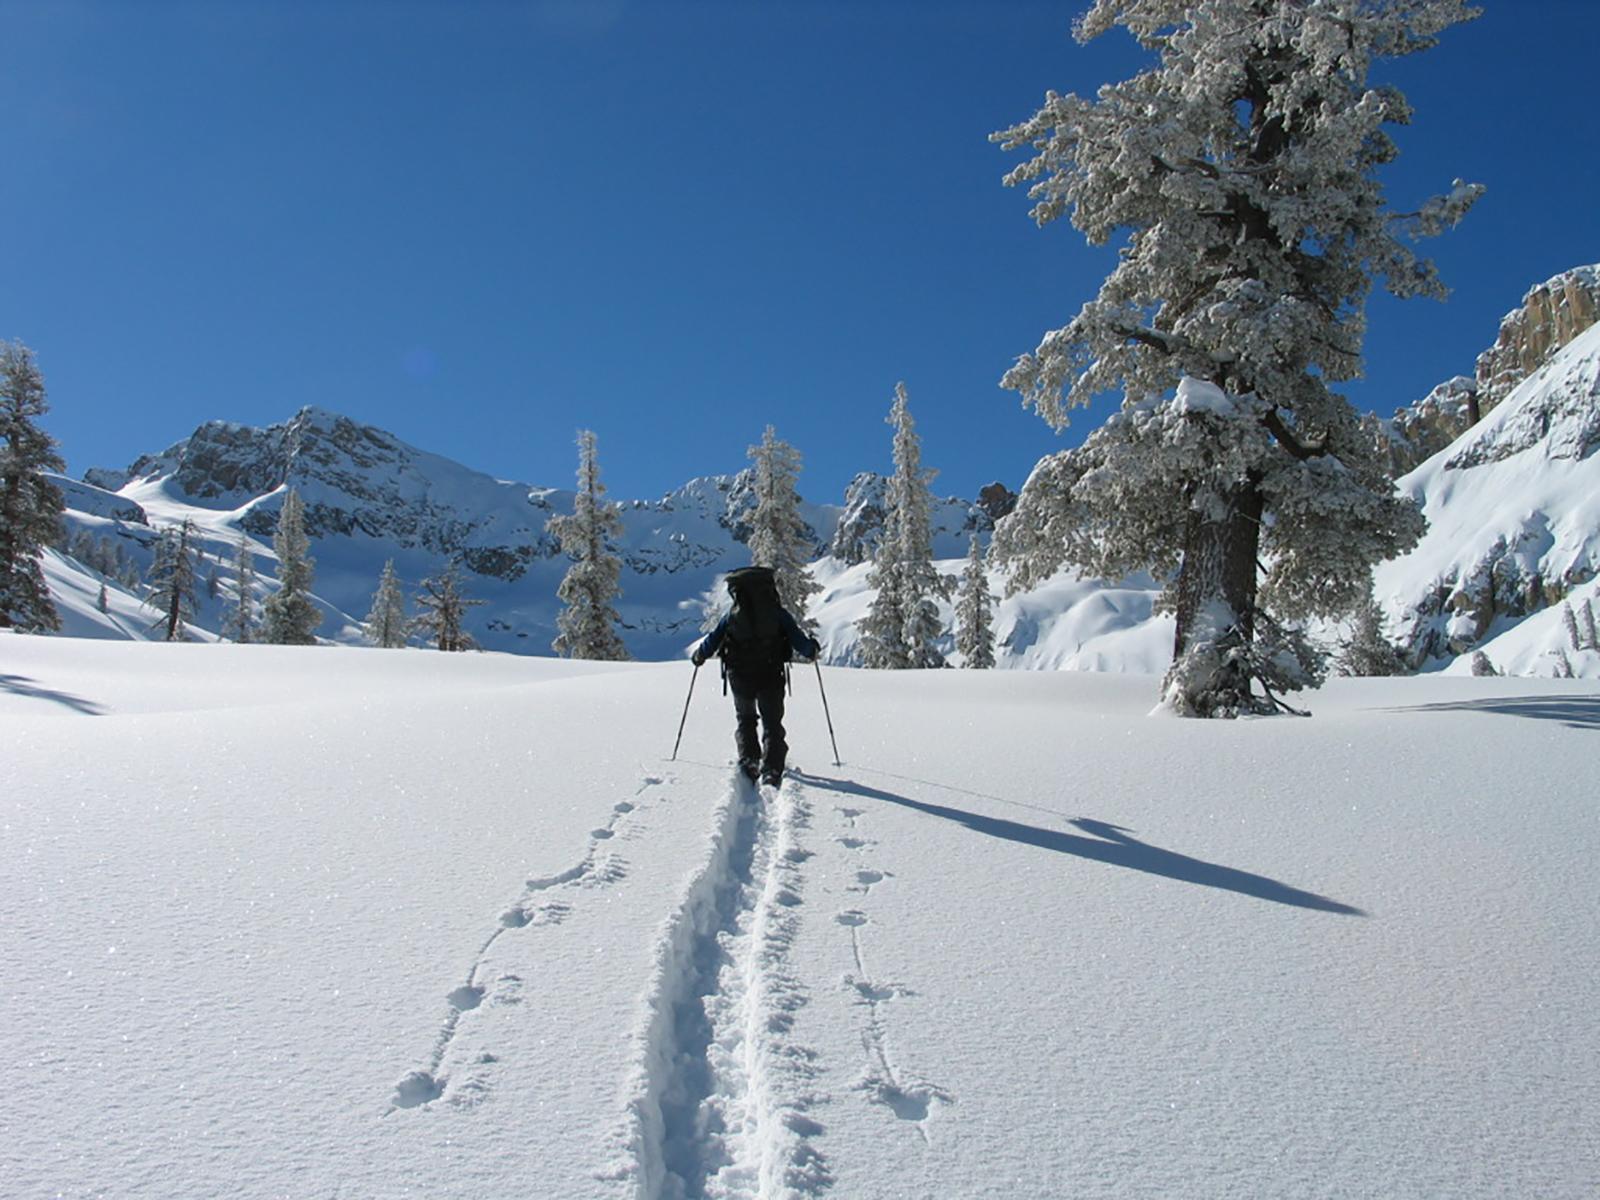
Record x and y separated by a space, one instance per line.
698 659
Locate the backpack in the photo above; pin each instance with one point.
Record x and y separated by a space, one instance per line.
755 642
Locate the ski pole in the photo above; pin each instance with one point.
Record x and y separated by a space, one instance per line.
684 719
826 713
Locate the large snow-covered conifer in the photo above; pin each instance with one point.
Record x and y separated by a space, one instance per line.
778 535
588 622
386 623
1239 175
30 505
291 617
974 620
902 628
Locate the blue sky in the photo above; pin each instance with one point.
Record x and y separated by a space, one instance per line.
483 226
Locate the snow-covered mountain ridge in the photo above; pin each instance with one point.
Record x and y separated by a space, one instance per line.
369 496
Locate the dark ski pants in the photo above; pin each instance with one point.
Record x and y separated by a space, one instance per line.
766 702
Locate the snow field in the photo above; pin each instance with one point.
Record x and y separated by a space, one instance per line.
283 921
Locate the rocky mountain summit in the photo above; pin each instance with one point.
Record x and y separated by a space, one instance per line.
1550 316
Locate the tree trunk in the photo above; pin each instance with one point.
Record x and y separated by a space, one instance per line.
1216 599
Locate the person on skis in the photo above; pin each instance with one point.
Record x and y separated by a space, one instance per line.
756 641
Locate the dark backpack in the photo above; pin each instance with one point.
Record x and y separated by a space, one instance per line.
755 642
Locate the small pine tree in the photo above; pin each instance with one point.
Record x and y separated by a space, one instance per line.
902 628
1367 651
386 623
1589 632
172 581
1481 664
1570 623
30 505
974 625
241 620
441 608
103 601
588 622
80 545
1563 665
778 534
291 617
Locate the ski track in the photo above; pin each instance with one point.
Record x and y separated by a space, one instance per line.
910 1098
720 1105
598 867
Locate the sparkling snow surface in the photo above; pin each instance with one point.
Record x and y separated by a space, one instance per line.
352 923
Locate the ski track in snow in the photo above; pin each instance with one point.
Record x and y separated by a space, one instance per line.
722 1101
598 867
909 1098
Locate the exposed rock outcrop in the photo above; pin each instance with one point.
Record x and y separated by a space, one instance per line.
1550 316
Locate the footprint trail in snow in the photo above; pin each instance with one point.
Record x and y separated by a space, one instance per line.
723 1105
535 906
908 1097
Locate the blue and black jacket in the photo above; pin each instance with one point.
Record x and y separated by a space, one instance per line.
800 641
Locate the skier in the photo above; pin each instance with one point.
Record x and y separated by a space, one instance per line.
756 641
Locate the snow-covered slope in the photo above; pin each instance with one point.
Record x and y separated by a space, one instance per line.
1513 510
1066 624
352 923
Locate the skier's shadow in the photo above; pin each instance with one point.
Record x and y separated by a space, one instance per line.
21 685
1111 844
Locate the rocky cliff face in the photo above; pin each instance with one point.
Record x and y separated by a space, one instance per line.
1513 510
1550 316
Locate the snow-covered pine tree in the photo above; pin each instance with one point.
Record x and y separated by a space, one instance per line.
80 545
441 609
974 624
778 535
1563 668
240 623
290 617
172 581
902 627
102 602
883 629
588 622
1570 622
1481 664
1240 175
1591 635
386 623
30 505
1367 651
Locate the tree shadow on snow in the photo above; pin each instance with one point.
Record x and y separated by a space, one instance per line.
1110 844
1576 712
22 686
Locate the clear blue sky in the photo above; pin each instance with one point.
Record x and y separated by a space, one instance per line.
485 225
